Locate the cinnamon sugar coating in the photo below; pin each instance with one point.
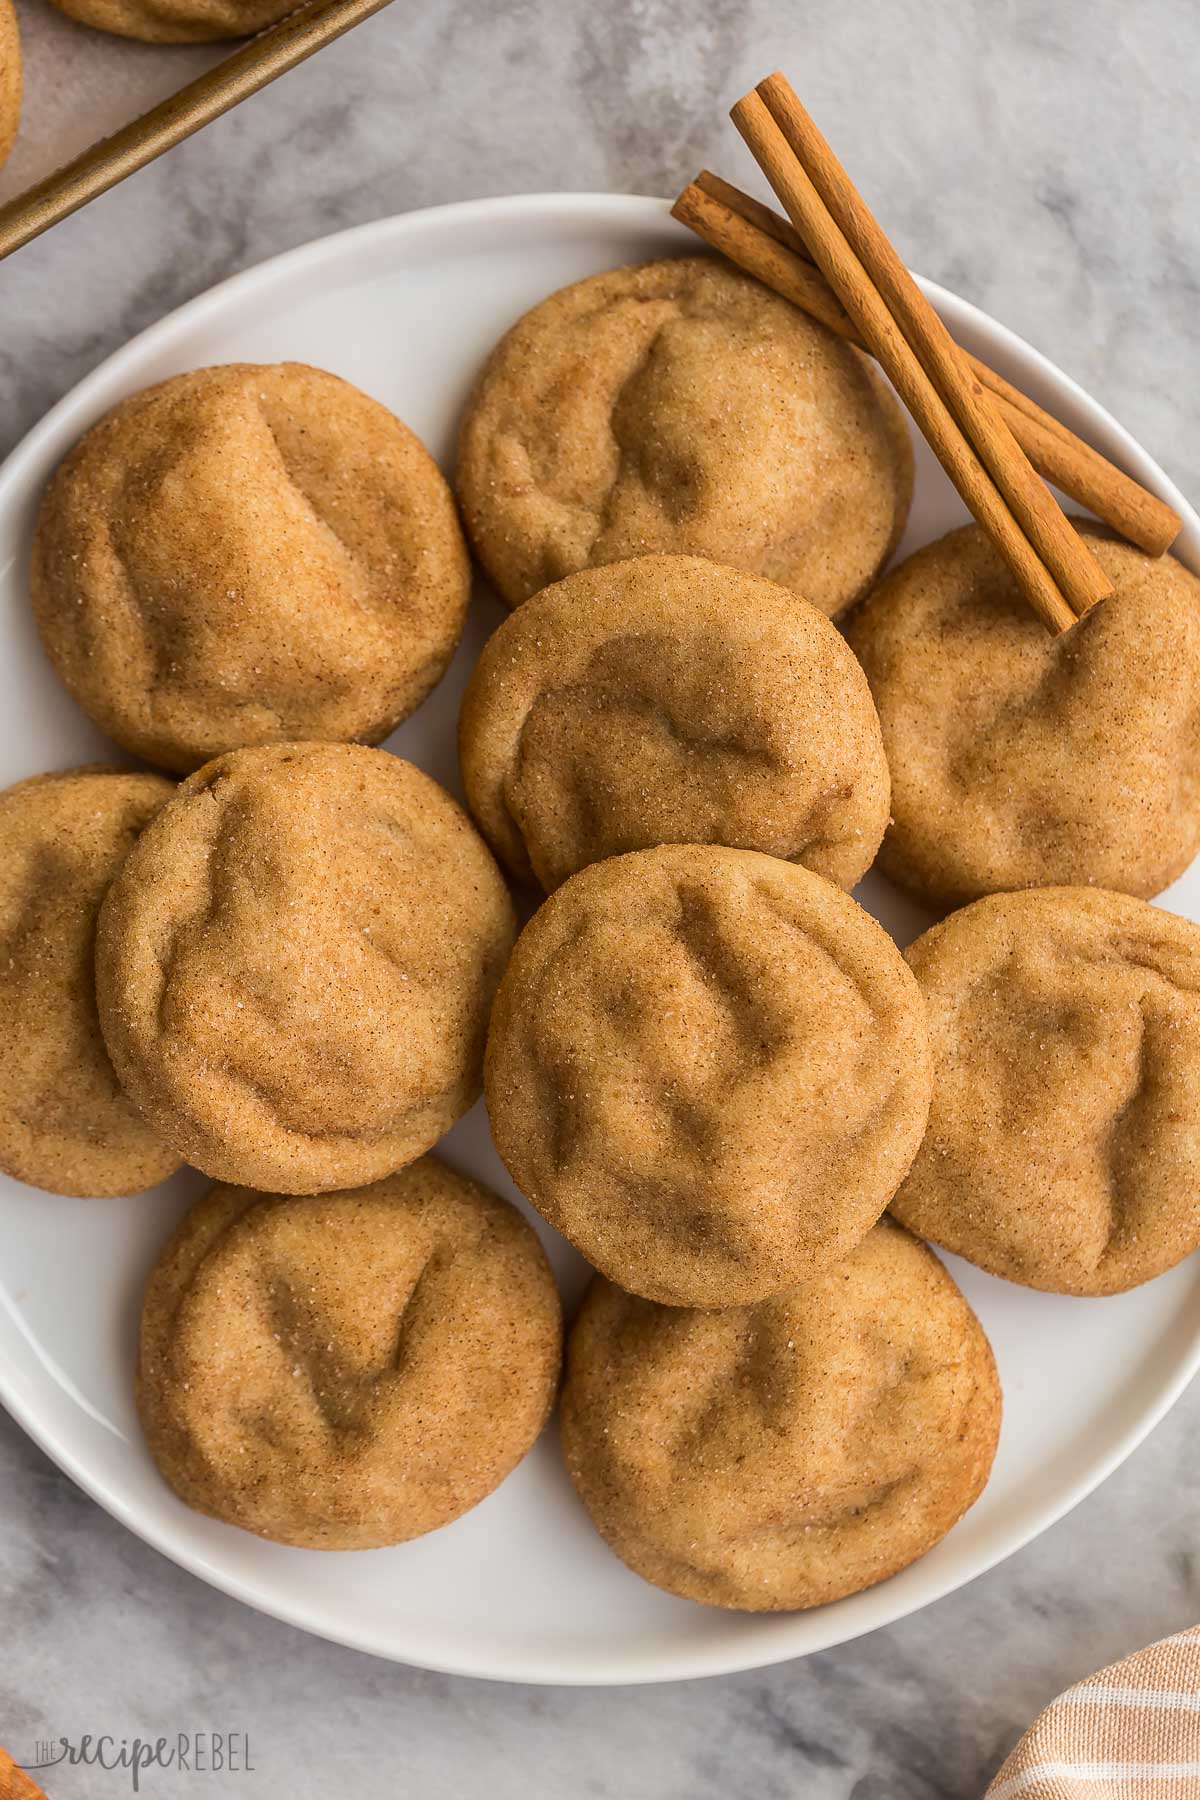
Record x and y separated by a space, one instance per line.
352 1369
248 554
295 967
1063 1148
177 21
783 1455
66 1125
1022 759
709 1069
667 700
680 406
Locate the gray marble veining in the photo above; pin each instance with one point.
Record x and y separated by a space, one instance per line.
1039 159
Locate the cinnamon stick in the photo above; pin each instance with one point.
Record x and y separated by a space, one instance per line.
1060 547
766 246
755 212
765 256
15 1784
858 294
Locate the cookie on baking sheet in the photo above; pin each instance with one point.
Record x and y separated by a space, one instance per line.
1022 759
351 1369
667 700
11 79
709 1069
1063 1148
295 967
248 554
65 1123
680 406
178 21
782 1455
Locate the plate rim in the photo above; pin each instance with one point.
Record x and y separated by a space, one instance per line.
526 1665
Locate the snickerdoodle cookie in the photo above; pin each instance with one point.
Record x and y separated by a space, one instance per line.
65 1124
709 1069
295 965
352 1369
1063 1148
10 78
667 700
781 1455
680 406
245 555
177 21
1023 759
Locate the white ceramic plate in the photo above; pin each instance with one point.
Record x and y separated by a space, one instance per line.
521 1588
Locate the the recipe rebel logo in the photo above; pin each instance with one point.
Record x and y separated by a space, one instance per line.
189 1752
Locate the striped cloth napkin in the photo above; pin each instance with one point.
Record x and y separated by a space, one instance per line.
1132 1732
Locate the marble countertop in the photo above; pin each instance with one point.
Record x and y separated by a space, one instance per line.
1039 160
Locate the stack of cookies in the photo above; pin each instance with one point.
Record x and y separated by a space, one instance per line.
705 1064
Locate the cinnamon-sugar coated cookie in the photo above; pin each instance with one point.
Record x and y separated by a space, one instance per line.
783 1455
11 79
1063 1148
709 1069
294 969
351 1369
177 21
679 406
1022 759
248 554
65 1123
667 700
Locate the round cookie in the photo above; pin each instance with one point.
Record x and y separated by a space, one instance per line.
709 1069
295 966
783 1455
65 1124
177 21
10 79
680 406
667 700
1063 1149
1020 759
348 1370
248 554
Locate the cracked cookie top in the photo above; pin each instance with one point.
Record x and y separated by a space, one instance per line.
1022 759
667 700
349 1369
248 554
294 969
1063 1148
680 406
786 1454
65 1123
709 1069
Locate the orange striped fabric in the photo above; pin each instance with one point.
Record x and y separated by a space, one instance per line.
1132 1732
